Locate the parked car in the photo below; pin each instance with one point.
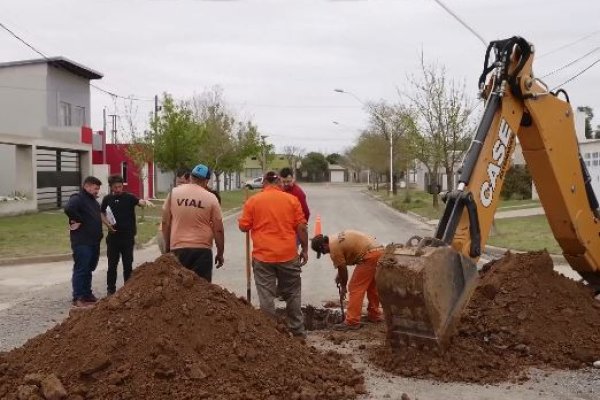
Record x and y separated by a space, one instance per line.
255 183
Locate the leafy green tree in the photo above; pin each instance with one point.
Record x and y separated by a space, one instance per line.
517 183
334 158
225 142
316 166
175 138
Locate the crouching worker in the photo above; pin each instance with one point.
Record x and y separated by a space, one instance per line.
353 248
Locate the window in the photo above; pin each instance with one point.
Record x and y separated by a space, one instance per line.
595 155
595 163
124 171
78 117
64 114
586 155
587 163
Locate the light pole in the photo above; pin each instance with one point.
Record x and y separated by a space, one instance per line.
264 154
385 127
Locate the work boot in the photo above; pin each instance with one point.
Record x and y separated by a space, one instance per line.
344 327
81 303
90 299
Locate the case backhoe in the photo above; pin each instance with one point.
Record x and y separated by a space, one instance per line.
425 284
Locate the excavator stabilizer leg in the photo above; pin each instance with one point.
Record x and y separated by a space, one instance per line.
423 292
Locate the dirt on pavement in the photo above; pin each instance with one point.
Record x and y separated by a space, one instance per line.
170 334
523 314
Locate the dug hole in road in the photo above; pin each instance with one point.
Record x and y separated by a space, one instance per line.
168 331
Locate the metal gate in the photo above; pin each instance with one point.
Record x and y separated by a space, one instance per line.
58 176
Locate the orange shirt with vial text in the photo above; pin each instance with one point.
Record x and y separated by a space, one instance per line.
194 213
272 217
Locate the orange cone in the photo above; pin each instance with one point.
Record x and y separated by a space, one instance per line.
318 230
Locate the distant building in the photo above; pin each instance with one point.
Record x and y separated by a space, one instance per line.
45 134
337 173
136 181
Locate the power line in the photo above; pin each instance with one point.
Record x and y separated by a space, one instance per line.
463 23
571 62
20 39
589 35
576 75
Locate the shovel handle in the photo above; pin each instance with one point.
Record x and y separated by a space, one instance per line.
248 263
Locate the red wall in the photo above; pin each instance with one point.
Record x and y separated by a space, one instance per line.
116 154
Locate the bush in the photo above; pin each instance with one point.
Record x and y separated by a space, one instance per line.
517 184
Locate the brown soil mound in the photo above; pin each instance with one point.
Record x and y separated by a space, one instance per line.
169 334
523 314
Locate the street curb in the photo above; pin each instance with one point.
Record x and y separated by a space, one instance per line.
49 258
491 250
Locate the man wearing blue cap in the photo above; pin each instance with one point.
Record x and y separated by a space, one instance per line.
192 221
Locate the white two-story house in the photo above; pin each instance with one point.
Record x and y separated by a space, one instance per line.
45 135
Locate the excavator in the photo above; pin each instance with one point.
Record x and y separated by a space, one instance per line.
425 284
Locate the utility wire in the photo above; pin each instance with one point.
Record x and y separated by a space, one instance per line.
589 35
571 62
576 75
20 39
463 23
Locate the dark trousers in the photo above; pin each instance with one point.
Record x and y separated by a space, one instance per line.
118 246
85 258
198 260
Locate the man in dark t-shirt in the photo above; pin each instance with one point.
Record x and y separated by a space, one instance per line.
118 214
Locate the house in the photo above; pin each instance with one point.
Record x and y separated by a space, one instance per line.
252 168
138 181
337 173
45 135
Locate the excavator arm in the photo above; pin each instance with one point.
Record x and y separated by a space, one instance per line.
424 287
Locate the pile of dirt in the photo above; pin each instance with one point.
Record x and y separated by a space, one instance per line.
523 314
169 334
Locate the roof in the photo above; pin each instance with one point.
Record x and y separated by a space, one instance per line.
59 62
336 167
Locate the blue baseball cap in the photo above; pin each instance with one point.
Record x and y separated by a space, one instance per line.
201 171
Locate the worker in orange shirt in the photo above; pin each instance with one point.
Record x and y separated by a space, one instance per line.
274 220
351 247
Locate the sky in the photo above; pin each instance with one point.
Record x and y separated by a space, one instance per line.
279 61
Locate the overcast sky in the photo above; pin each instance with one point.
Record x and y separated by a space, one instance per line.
279 61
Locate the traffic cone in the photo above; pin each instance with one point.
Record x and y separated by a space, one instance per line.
318 230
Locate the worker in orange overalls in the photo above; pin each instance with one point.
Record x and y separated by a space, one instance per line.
351 247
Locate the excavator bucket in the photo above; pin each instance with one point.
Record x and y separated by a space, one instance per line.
423 291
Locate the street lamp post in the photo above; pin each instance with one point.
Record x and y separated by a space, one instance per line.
264 154
385 126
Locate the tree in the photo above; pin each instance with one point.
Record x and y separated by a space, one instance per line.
443 126
266 154
138 145
315 165
175 138
589 116
293 154
334 158
225 142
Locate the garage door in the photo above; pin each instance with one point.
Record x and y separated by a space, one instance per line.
58 176
337 176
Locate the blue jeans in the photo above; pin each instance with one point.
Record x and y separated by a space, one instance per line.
85 259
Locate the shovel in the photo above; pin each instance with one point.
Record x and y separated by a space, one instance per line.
341 302
248 266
